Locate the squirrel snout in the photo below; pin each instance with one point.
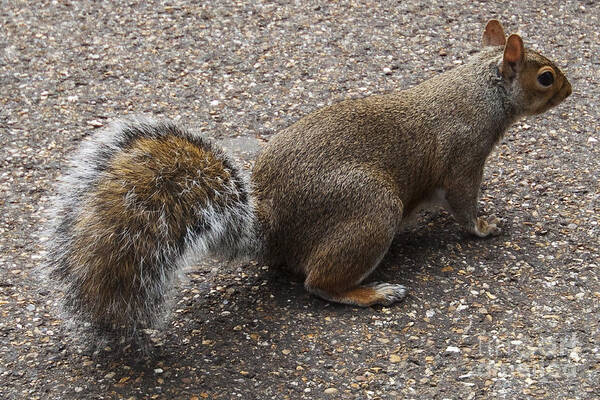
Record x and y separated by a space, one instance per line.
567 88
564 92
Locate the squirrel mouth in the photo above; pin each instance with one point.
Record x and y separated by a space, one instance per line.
564 92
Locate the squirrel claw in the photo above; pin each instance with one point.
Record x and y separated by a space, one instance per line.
389 292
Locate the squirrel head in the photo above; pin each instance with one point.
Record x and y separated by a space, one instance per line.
536 84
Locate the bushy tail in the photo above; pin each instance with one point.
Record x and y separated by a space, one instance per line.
139 198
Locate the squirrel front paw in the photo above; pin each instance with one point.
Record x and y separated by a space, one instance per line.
485 228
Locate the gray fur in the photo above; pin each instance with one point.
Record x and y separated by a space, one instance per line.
335 187
329 193
227 231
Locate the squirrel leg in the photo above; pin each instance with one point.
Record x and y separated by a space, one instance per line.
367 295
346 257
462 196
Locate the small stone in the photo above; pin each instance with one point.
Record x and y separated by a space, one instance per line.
592 140
110 375
395 358
95 123
330 391
452 349
158 370
490 296
574 356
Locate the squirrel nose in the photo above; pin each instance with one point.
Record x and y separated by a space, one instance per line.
568 89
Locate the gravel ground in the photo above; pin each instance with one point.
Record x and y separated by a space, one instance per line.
511 317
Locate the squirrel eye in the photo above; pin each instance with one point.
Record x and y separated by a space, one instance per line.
546 79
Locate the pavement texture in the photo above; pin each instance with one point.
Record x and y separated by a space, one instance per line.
512 317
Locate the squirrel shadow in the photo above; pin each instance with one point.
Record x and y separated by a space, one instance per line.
212 323
420 249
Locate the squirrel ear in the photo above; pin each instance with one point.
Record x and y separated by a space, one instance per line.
514 52
493 35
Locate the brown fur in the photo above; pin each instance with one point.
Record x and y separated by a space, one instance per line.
333 188
135 195
329 193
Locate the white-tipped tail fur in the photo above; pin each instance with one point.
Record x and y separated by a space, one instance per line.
140 199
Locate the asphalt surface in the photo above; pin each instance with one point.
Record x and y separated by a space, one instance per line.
512 317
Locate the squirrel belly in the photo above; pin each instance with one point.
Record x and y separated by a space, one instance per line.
141 198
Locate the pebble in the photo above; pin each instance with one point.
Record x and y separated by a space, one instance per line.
574 356
95 123
394 358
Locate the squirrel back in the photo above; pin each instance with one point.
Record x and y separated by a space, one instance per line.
140 198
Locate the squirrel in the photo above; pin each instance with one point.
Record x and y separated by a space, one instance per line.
325 198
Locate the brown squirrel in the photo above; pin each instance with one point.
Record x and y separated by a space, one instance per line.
327 194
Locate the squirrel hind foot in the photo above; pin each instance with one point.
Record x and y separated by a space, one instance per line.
365 295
